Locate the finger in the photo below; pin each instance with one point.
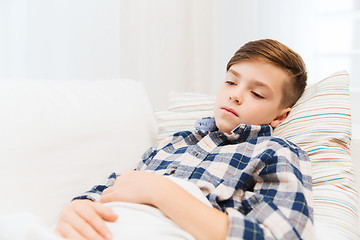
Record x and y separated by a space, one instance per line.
80 224
110 197
105 212
96 219
65 230
108 190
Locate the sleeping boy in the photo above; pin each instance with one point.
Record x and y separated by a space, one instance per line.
259 186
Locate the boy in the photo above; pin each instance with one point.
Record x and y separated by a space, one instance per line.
259 186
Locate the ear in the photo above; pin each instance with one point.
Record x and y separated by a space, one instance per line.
280 118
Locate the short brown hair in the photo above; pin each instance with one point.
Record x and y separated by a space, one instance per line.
274 52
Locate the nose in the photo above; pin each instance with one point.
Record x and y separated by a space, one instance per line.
236 97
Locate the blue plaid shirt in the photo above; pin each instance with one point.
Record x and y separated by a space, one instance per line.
262 182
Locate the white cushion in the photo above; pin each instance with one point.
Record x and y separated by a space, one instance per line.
320 123
59 138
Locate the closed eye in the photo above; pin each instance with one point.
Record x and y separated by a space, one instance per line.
230 82
257 95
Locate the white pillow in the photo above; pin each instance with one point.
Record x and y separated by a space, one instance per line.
59 138
320 123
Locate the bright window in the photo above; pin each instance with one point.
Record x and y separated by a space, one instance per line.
337 29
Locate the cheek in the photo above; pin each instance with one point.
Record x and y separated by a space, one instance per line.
268 114
259 111
219 100
222 92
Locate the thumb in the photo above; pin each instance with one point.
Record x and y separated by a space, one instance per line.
105 212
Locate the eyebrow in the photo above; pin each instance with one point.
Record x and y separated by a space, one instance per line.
255 82
235 73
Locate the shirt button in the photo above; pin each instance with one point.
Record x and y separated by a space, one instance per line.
196 154
173 168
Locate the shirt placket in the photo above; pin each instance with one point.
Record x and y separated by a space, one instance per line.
193 158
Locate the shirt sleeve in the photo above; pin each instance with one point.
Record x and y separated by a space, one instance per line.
280 205
146 158
95 193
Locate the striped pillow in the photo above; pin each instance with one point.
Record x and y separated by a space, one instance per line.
184 109
320 123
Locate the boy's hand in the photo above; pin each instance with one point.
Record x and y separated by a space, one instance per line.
133 187
84 219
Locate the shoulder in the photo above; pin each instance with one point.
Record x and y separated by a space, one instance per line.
278 143
280 148
280 156
288 159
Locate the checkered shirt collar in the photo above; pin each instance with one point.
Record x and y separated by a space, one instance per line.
241 133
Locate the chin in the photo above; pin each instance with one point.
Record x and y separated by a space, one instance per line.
225 122
223 126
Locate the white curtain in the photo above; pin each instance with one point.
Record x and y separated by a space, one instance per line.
169 45
166 44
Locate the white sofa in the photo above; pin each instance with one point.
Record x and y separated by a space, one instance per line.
59 138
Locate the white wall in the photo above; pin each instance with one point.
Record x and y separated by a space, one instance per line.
59 39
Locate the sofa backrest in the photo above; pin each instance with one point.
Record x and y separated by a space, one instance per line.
59 138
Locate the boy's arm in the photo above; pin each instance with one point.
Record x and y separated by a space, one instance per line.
195 217
280 205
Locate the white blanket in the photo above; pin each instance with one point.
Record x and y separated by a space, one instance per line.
24 226
136 221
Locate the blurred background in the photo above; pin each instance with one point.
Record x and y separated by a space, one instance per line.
172 45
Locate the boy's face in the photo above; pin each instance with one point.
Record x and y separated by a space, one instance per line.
251 94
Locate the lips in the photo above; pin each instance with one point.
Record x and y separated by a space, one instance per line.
230 111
